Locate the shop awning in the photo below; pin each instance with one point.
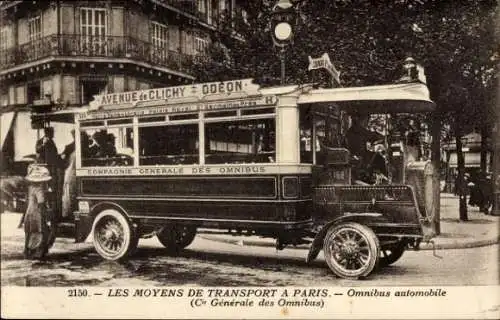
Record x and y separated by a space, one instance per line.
394 98
65 116
472 160
6 120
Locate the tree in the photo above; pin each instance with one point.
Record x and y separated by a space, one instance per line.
367 41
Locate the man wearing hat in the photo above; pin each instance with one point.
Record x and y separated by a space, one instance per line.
46 150
47 154
38 229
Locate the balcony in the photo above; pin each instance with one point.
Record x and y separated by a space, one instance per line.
187 6
106 47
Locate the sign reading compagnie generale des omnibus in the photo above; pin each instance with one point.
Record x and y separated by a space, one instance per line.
188 93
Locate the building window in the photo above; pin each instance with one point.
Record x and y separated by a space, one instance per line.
35 28
203 9
215 11
91 87
200 46
93 27
5 38
4 96
159 39
33 91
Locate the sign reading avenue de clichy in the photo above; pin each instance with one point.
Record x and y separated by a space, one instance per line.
187 98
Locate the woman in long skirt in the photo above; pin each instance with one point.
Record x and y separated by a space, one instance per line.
37 223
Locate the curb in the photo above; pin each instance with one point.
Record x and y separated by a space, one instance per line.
423 246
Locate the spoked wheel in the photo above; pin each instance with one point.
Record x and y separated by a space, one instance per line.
351 250
176 238
113 237
391 254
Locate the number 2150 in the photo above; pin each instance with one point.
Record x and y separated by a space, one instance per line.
77 292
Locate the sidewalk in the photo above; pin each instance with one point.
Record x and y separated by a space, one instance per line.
480 230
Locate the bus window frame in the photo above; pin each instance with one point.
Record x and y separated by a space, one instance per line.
166 124
200 120
78 146
317 116
237 119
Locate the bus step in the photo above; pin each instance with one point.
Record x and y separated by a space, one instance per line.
65 230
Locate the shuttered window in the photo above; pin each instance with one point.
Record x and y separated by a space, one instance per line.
93 29
35 28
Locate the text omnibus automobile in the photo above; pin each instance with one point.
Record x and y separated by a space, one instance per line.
247 160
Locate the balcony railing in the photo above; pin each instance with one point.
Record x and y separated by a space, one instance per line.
95 46
188 6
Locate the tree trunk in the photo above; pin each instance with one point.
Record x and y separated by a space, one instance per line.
485 134
436 163
462 194
484 148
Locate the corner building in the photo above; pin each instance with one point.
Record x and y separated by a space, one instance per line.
64 52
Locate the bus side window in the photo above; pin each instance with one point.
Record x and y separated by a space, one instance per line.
243 141
107 147
168 144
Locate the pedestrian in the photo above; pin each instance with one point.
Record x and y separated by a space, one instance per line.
38 228
69 187
68 150
46 151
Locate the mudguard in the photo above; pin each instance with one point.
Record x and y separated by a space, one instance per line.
359 217
84 221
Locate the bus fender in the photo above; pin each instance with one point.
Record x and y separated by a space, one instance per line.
84 221
361 217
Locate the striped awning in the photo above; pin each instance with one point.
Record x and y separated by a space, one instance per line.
6 120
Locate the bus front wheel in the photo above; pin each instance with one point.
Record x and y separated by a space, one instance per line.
175 238
351 250
113 236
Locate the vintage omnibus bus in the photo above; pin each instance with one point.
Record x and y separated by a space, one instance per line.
233 156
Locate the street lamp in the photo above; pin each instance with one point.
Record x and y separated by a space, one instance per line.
283 16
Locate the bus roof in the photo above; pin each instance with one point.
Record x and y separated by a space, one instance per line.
393 98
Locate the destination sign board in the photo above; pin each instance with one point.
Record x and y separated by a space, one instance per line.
162 108
324 62
196 92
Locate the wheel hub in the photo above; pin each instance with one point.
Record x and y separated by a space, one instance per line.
111 234
349 249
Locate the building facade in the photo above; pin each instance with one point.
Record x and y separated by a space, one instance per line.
65 52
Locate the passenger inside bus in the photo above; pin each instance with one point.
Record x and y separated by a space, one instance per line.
100 148
360 142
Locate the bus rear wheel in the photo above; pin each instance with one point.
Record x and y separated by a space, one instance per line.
351 250
176 238
113 236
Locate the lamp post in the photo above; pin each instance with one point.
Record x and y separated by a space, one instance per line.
283 16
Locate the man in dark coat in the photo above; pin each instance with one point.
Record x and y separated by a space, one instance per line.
46 151
47 154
